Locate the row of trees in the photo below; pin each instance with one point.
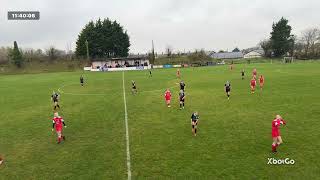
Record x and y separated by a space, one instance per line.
307 45
99 39
283 43
18 56
107 39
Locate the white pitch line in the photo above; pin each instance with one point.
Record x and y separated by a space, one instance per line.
127 129
97 94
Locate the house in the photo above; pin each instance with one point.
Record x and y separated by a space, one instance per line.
227 55
254 54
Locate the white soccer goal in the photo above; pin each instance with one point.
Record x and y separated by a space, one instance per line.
288 59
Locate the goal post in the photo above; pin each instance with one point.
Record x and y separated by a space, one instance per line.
288 59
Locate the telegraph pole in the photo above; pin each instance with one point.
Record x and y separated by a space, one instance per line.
153 55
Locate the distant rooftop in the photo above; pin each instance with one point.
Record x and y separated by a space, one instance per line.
227 55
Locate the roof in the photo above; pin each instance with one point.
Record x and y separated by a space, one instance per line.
255 51
260 51
227 55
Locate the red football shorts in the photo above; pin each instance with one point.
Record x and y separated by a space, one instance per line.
58 128
275 134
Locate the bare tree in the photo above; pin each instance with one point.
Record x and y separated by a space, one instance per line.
51 52
317 50
298 49
54 53
309 39
69 52
267 47
4 54
169 50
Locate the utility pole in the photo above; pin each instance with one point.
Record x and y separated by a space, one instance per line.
87 46
153 55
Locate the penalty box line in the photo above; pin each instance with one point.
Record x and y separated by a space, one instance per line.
127 128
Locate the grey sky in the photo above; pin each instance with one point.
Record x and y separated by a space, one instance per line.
182 24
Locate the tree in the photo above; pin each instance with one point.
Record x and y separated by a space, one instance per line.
16 56
30 55
293 41
52 53
152 56
199 56
105 39
281 38
5 54
267 47
169 50
317 52
236 50
310 37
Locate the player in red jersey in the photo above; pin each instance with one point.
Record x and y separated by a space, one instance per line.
254 73
178 73
167 96
57 124
261 80
253 83
277 140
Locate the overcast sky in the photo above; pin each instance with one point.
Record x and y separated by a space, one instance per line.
181 24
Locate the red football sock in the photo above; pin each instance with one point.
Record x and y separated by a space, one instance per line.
59 139
274 147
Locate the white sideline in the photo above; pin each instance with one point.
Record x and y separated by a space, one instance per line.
127 129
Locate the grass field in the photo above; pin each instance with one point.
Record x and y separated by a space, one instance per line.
234 137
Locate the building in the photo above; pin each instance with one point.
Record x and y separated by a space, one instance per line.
121 62
227 55
254 54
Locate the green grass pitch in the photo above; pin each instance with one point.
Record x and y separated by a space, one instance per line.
234 137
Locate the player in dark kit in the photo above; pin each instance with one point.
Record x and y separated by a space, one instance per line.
150 73
242 74
182 86
134 87
194 122
55 99
182 97
81 80
227 87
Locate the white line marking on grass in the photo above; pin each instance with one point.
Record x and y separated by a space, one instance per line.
83 94
99 94
127 129
59 89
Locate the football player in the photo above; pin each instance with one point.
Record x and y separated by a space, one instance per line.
55 99
58 124
194 122
276 137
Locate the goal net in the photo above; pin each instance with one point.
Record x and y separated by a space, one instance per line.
288 59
